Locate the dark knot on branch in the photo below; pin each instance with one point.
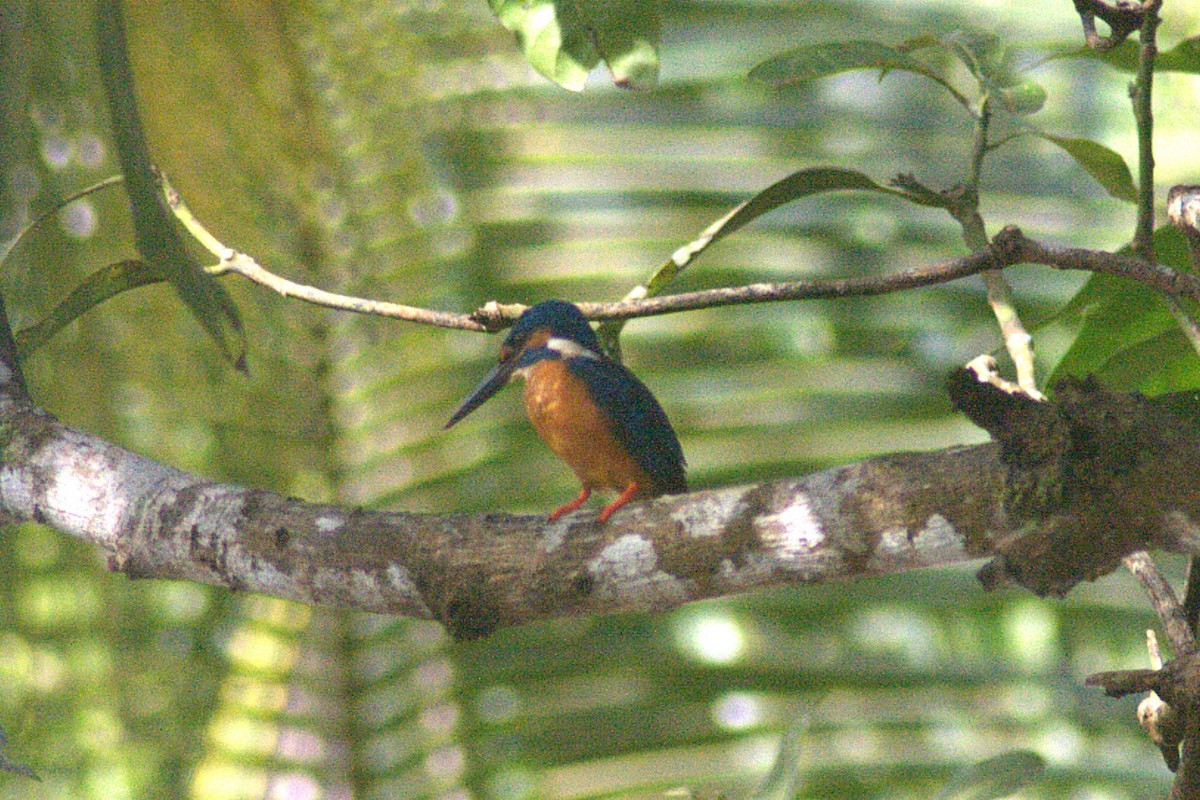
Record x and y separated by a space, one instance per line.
1091 477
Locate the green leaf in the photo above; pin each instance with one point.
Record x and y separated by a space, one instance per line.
1183 57
994 777
101 285
1157 365
1023 99
830 58
812 180
1102 163
565 40
156 236
985 56
1129 337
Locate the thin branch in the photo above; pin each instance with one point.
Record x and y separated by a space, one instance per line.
1163 599
10 360
1013 248
1018 249
1010 247
1017 340
1122 16
1142 95
965 210
248 268
930 275
8 246
233 261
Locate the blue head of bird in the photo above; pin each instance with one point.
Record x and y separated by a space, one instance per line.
552 324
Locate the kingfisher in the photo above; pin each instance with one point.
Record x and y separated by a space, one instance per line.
591 411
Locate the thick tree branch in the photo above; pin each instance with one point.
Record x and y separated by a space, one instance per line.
1039 501
478 573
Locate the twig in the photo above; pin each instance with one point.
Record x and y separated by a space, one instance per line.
233 261
1164 279
1123 18
1191 596
1142 95
8 246
1010 247
1162 597
965 210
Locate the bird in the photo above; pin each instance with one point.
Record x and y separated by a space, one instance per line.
591 411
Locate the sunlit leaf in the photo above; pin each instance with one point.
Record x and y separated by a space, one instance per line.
1102 163
1129 337
994 777
565 40
830 58
804 183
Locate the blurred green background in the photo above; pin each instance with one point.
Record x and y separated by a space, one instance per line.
405 151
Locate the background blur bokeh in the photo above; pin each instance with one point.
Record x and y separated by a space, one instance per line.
404 151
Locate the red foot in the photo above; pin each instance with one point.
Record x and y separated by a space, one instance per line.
574 504
624 497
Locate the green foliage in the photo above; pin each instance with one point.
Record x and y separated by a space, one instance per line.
830 58
157 238
1129 336
1103 164
401 151
1183 57
563 39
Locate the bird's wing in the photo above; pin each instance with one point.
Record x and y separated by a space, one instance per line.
638 420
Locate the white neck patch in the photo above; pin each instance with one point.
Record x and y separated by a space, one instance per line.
570 349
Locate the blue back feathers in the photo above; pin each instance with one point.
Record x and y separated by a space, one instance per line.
638 420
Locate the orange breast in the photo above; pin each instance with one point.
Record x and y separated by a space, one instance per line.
566 418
